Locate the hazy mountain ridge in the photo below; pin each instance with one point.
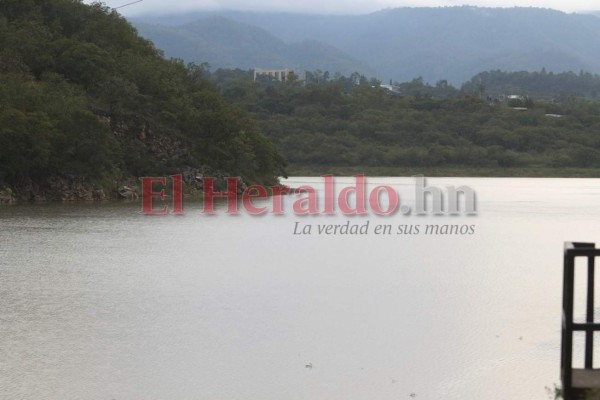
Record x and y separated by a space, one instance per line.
225 43
451 43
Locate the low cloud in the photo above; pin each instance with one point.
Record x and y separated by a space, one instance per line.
332 7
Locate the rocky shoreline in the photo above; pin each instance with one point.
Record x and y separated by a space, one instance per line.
55 189
77 189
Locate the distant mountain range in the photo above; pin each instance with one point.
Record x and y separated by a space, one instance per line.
452 43
226 43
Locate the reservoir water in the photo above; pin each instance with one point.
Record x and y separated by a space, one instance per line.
100 302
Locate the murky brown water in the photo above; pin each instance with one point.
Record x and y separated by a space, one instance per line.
101 302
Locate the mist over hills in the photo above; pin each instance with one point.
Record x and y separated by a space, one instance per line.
226 43
452 43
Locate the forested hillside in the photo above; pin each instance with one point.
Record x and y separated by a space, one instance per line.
343 122
539 84
84 98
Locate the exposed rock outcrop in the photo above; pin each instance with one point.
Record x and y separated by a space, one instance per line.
7 196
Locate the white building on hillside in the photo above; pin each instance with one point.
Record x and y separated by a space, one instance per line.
281 75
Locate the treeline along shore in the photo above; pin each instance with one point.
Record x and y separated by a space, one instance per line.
496 124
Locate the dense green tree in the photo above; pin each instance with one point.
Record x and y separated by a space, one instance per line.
81 94
350 122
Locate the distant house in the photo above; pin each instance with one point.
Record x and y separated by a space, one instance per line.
281 75
393 89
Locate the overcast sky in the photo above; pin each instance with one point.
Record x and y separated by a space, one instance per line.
335 6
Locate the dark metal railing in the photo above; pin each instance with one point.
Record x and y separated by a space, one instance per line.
573 251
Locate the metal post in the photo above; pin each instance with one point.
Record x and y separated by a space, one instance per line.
589 334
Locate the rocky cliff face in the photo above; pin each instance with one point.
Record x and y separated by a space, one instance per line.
7 196
159 146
